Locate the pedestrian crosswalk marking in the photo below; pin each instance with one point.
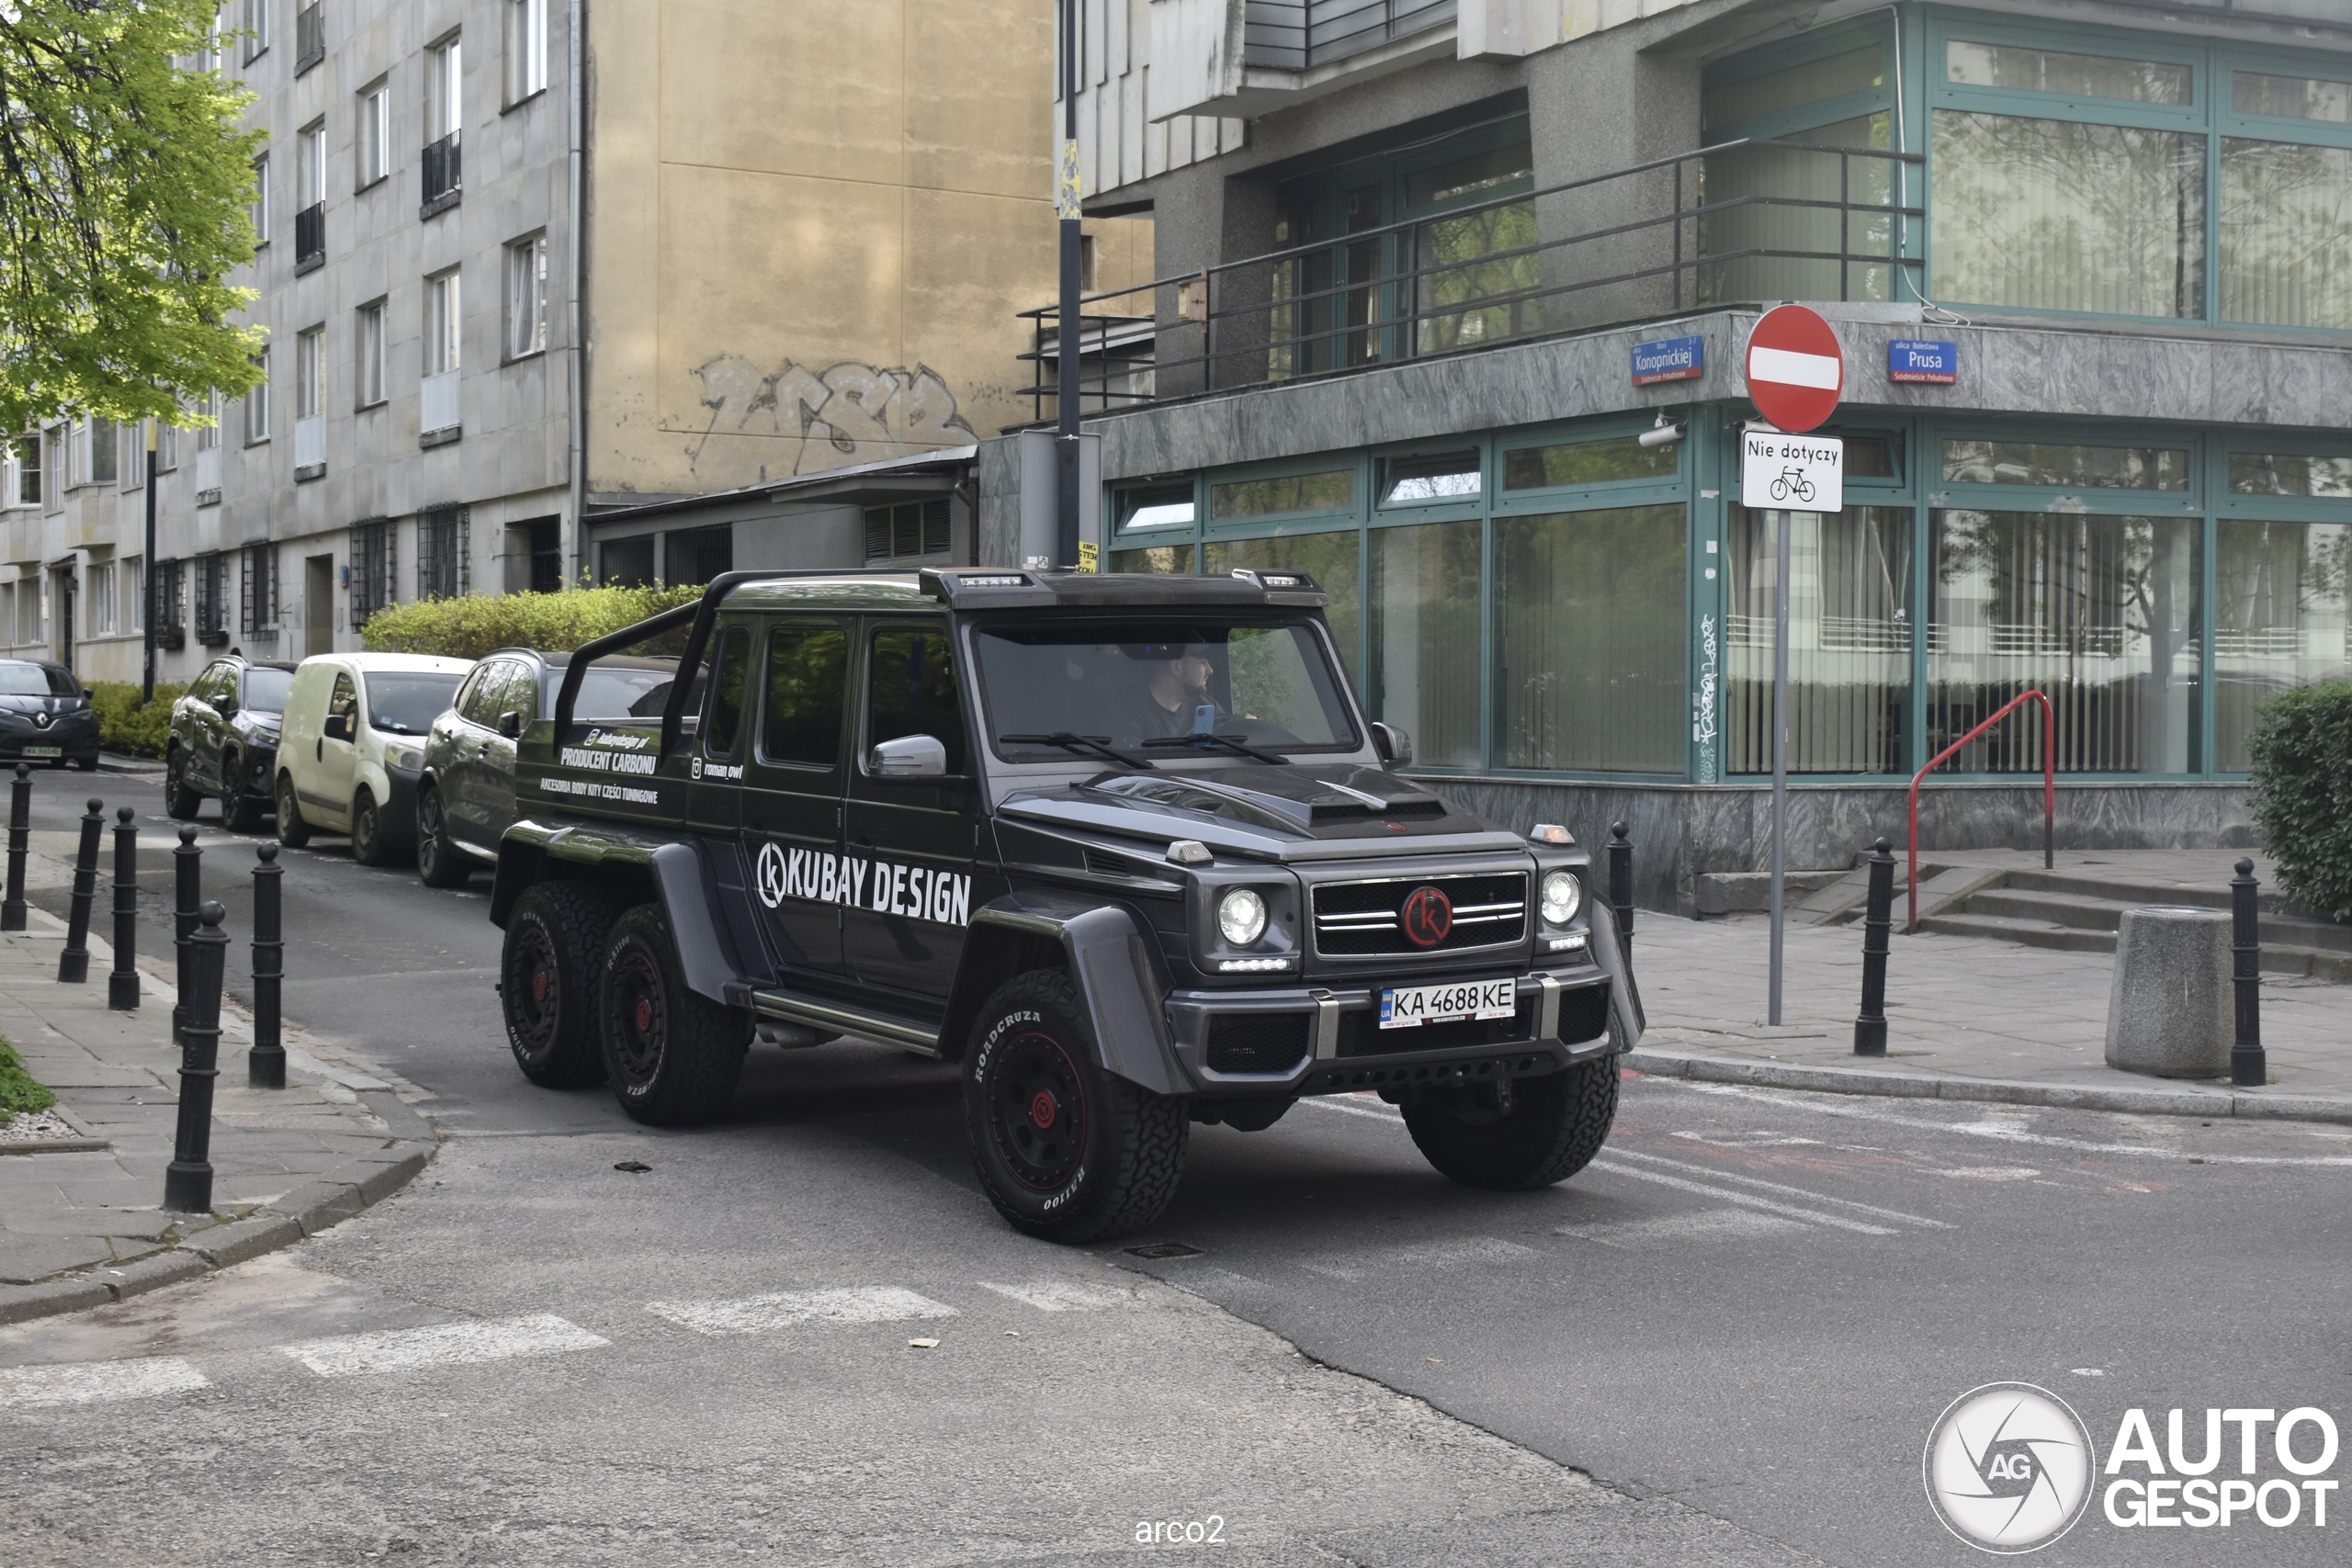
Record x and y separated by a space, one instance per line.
1745 1200
1056 1295
783 1309
1672 1230
94 1382
442 1345
1782 1188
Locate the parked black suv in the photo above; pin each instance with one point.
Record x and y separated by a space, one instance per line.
45 715
224 739
1122 846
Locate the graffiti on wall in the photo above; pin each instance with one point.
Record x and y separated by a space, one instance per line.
848 413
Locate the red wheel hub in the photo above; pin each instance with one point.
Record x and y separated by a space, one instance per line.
644 1014
538 984
1042 1109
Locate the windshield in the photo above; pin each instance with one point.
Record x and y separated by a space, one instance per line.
408 703
19 679
265 690
623 692
1138 681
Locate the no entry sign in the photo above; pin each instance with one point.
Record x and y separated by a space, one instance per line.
1794 369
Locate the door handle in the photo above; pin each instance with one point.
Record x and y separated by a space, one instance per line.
319 752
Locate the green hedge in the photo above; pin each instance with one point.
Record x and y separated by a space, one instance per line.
17 1089
472 627
126 728
2303 793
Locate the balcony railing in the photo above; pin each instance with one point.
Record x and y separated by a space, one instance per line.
311 236
443 173
441 411
309 38
207 476
310 443
1298 35
1785 220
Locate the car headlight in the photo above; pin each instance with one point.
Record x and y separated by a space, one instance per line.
1563 897
408 761
1242 916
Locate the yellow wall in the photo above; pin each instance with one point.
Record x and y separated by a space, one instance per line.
810 226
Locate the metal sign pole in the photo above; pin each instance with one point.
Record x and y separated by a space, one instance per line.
1780 759
1069 321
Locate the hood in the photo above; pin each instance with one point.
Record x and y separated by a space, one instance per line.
1288 812
31 705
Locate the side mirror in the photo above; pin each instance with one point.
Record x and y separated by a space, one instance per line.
338 726
1396 747
510 724
910 757
88 695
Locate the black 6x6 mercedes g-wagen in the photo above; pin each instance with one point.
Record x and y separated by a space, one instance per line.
1125 847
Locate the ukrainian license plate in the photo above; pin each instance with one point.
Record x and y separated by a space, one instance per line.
1409 1007
44 750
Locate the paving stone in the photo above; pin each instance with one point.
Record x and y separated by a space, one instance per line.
31 1257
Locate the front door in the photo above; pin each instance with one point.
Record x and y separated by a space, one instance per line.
335 761
318 606
792 792
912 841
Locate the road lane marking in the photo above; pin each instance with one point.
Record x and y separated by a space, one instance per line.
1785 1190
1056 1295
1664 1231
442 1345
94 1382
783 1309
1465 1249
1745 1200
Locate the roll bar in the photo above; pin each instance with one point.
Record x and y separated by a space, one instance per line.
701 612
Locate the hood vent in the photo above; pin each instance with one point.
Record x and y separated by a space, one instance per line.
1352 811
1101 864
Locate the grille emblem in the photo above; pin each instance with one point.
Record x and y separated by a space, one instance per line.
1427 917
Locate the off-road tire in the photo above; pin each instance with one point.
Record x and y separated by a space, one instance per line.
1032 1054
243 812
181 800
292 831
1545 1129
439 862
371 838
671 1056
548 976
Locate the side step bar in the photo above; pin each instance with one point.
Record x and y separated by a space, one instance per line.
795 1009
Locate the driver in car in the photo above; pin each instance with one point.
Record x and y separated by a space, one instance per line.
1177 689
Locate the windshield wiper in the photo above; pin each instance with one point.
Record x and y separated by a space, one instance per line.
1084 745
1233 743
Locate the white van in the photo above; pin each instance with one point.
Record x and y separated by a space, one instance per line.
354 744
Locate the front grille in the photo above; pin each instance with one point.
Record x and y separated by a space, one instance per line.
1363 918
1258 1041
1584 1014
1361 1034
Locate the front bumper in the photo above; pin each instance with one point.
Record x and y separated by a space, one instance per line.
256 768
399 803
1326 1040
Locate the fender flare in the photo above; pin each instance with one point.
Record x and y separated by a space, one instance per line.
1109 952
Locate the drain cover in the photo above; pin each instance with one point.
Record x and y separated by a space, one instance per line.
1163 1249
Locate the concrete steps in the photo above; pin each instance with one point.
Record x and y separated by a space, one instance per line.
2080 913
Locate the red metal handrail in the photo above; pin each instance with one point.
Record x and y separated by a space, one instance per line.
2049 787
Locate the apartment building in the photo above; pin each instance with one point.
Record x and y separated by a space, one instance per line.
525 264
1430 269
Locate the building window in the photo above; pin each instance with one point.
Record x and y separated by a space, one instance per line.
626 563
1330 558
527 48
372 354
97 578
371 135
258 605
212 599
259 211
371 571
95 450
444 119
257 403
443 323
167 447
208 434
256 26
309 37
169 599
310 414
311 197
912 530
697 554
212 56
29 615
526 297
442 548
1422 671
26 491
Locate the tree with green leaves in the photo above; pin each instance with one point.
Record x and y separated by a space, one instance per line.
124 183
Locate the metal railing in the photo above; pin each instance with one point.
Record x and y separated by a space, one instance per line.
310 235
1260 319
444 170
2049 788
1297 35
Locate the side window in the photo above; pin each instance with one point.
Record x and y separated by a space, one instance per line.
485 696
513 691
910 690
211 683
344 703
463 701
807 676
733 665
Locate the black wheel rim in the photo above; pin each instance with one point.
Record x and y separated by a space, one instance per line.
640 1014
534 988
1038 1110
363 826
286 805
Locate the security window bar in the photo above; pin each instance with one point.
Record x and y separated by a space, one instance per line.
912 530
442 548
1298 35
371 571
257 607
212 599
167 598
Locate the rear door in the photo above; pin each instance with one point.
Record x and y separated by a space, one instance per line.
910 841
791 793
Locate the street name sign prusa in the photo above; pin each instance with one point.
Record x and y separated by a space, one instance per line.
1780 472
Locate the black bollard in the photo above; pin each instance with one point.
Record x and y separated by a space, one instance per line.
1878 919
122 985
74 963
187 1183
1620 889
20 843
266 1062
2249 1063
188 892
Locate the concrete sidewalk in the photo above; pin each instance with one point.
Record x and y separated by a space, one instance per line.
80 1217
1968 1019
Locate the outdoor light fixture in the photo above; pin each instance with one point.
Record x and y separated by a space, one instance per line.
1665 433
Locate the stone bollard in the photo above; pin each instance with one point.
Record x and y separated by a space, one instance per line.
2169 1011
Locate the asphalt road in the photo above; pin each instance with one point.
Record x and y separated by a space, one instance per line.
1743 1321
